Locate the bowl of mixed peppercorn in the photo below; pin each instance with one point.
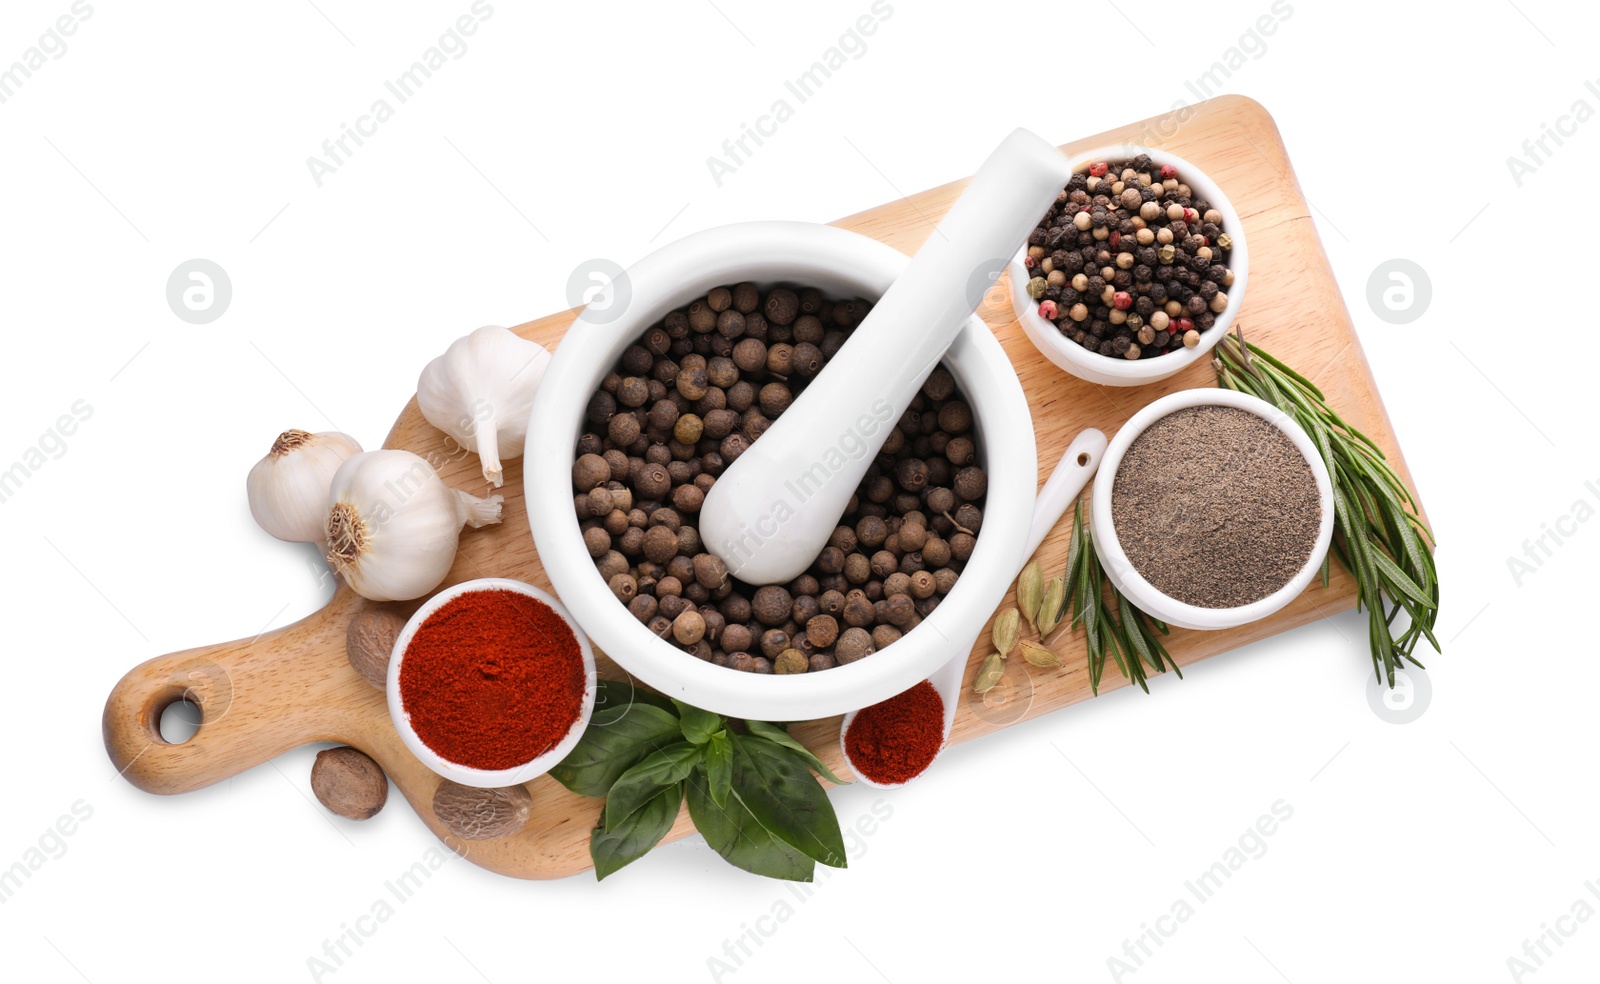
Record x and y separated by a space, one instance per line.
1135 272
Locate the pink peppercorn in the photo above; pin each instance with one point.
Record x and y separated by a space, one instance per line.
1048 310
1122 300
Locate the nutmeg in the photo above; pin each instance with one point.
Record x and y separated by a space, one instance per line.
369 642
349 783
481 814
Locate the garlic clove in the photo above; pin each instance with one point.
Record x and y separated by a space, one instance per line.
288 489
480 391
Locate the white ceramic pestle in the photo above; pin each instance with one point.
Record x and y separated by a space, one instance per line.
1077 465
770 513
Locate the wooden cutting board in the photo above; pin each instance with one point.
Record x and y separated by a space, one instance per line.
264 696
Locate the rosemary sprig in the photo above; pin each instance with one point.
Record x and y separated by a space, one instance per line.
1118 629
1378 536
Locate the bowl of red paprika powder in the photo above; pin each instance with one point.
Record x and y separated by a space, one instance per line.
491 683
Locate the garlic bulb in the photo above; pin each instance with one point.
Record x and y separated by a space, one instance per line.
288 489
392 524
480 391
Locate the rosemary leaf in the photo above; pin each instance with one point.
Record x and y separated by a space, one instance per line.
1379 538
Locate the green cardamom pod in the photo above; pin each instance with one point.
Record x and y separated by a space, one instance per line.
1055 595
1030 591
1005 632
1039 656
994 667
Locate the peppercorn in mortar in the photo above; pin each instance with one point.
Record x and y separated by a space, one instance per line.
683 403
1129 262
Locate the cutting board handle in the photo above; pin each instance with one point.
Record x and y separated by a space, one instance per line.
258 698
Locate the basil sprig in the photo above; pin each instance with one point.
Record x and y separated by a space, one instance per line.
750 790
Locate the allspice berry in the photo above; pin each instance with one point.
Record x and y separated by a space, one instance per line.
900 611
772 604
660 544
653 481
588 471
688 428
349 783
854 643
481 814
783 306
822 630
710 571
369 642
689 627
736 637
791 661
858 610
971 483
911 536
624 586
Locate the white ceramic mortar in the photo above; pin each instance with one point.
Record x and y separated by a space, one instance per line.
841 264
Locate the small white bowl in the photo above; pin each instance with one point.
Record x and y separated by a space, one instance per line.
1113 371
466 775
1141 592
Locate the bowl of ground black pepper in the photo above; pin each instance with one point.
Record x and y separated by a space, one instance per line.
1137 270
639 412
1213 509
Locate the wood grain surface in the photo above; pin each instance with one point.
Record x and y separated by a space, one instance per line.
262 697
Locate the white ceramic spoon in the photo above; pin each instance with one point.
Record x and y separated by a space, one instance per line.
1066 482
771 512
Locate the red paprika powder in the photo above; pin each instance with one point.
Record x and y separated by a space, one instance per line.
892 742
492 679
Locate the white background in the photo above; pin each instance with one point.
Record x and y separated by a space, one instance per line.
1428 851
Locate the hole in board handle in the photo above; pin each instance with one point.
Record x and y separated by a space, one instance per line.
179 721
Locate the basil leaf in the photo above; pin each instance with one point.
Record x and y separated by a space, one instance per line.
643 781
777 788
698 726
616 847
616 738
621 693
734 832
777 735
719 767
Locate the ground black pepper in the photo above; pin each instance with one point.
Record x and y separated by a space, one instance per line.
1215 506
